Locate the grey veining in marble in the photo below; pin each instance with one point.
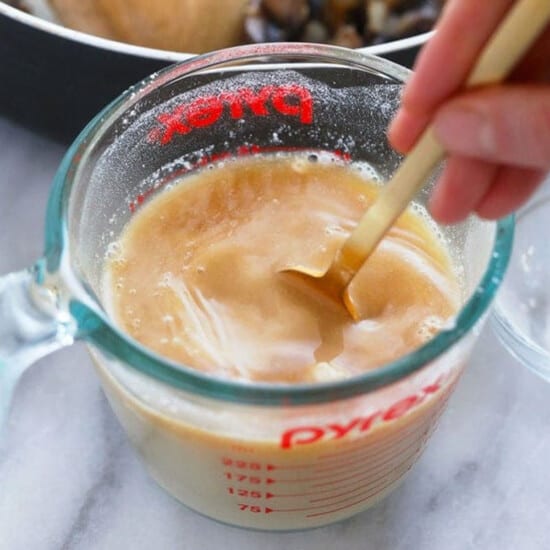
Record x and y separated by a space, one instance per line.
69 479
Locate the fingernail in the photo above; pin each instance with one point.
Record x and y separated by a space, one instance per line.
465 131
403 131
395 123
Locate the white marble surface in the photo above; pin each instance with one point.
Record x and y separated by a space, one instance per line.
69 479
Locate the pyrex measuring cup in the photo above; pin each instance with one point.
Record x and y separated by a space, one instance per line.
256 455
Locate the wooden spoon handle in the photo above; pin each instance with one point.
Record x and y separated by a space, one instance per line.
524 23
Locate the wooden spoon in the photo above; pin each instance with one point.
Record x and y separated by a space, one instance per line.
524 23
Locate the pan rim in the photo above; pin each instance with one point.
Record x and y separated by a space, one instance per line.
60 31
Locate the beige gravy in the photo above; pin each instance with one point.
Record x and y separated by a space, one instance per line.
195 274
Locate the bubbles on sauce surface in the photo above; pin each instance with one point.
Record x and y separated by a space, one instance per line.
429 327
114 251
210 334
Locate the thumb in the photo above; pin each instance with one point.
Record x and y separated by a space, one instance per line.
503 124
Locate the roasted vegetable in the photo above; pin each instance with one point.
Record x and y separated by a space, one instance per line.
351 23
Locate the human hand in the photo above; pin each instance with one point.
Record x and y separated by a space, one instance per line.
497 138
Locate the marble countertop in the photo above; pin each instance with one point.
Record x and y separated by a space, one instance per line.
69 479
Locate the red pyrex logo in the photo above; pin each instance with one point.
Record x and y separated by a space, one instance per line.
288 99
305 435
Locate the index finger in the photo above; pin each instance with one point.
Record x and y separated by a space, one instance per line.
445 62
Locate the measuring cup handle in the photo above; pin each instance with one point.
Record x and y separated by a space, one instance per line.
32 324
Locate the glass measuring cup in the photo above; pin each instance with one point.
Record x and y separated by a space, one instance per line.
262 456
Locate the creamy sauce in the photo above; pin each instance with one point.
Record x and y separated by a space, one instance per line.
196 276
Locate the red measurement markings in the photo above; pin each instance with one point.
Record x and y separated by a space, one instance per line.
363 474
382 480
375 491
366 491
383 485
349 488
241 464
292 495
373 469
245 478
374 459
373 466
255 509
360 445
258 466
333 495
247 493
266 509
380 475
287 467
370 451
331 487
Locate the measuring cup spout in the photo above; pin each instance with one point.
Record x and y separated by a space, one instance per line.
33 323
